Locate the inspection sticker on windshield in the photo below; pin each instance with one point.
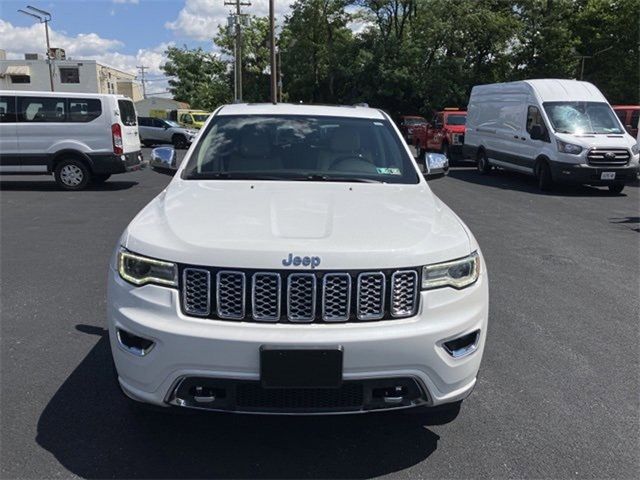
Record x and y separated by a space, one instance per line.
389 171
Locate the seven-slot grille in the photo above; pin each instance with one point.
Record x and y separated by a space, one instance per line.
608 156
299 297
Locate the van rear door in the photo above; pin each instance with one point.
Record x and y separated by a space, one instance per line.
129 125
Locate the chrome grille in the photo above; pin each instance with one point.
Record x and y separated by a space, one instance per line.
301 297
230 294
336 297
608 156
265 297
371 289
404 293
196 293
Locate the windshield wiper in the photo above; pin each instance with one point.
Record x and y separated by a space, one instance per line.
314 177
233 176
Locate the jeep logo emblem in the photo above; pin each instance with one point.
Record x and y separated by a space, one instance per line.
296 261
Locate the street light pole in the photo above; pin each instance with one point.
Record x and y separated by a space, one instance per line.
44 17
272 29
583 57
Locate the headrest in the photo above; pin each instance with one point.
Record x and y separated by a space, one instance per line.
345 140
254 143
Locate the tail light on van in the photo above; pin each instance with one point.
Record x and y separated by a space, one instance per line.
116 133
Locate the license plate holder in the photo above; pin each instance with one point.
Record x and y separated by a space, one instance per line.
608 176
304 367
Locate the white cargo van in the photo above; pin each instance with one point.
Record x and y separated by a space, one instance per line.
557 130
77 137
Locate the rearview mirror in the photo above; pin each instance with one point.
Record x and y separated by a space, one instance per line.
536 132
436 165
164 160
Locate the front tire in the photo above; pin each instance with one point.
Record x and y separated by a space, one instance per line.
72 174
483 165
179 142
616 188
543 174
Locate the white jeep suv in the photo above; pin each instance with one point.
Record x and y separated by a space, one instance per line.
298 262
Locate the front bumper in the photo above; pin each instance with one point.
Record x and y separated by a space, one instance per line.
185 347
591 175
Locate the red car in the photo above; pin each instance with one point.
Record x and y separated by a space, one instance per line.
408 123
444 134
628 115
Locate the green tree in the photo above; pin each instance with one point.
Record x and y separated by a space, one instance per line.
197 77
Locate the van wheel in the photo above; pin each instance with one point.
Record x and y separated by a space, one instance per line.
97 179
179 141
616 188
483 165
72 174
543 173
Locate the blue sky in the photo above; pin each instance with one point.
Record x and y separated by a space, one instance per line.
120 33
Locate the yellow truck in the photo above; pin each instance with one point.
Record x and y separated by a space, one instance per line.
185 117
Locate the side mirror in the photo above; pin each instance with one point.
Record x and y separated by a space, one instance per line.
164 160
166 127
436 165
536 132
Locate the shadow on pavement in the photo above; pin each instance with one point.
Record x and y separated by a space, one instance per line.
632 222
51 186
93 432
508 180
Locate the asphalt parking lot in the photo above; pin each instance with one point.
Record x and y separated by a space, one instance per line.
557 395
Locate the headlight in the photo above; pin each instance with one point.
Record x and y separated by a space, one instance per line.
141 270
456 273
635 149
569 148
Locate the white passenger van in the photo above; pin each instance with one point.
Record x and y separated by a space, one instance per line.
557 130
298 263
77 137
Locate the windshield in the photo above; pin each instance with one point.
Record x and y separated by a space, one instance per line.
456 119
200 117
296 147
582 117
171 123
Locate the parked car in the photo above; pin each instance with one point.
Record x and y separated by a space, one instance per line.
628 115
557 130
187 118
407 123
77 137
155 131
297 262
444 134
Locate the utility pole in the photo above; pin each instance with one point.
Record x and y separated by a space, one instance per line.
584 57
142 68
43 17
272 41
237 22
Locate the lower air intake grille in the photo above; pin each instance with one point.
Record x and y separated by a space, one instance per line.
349 395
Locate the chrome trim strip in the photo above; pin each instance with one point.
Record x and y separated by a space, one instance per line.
184 292
244 294
382 302
278 297
463 352
138 352
324 293
299 319
394 314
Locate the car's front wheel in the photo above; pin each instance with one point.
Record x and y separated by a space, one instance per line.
616 188
483 165
179 142
72 174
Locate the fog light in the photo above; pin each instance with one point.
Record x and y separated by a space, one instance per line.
134 344
462 346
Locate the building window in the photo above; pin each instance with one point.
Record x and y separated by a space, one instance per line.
20 79
69 75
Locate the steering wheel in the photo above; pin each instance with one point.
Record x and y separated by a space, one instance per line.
352 163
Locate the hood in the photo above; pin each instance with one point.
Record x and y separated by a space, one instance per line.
247 224
618 140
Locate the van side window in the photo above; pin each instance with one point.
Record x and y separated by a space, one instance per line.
534 117
41 109
84 109
7 109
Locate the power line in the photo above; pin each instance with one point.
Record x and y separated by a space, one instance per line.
142 68
237 23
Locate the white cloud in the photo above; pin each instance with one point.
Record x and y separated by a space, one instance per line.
86 46
199 19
